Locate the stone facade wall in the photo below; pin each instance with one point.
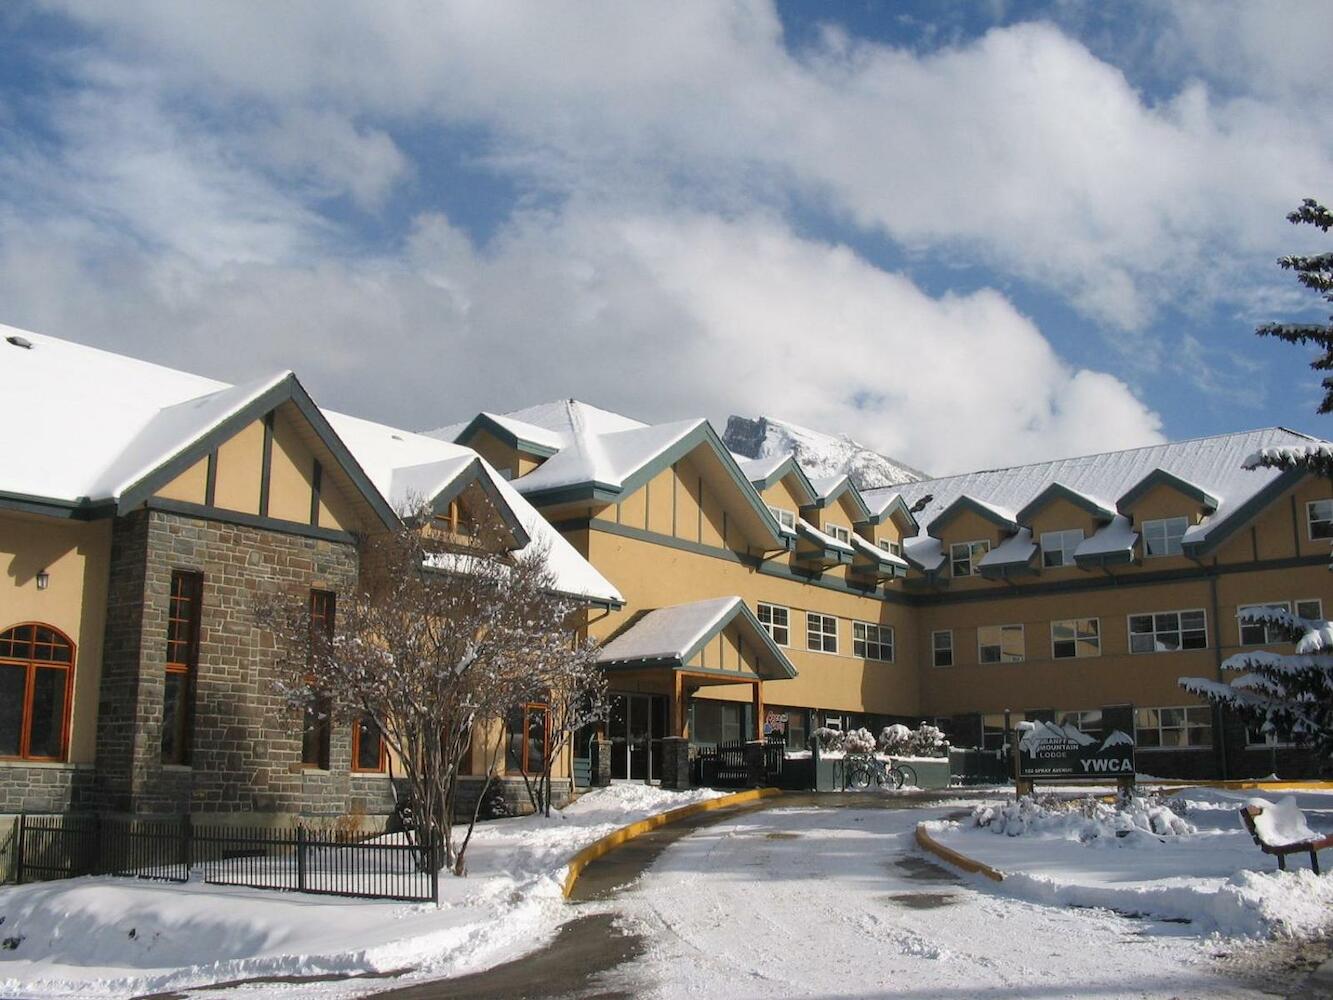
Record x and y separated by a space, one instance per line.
245 748
45 788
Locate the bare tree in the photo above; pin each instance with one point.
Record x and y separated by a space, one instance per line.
575 696
449 630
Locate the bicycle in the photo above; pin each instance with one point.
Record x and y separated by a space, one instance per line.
862 769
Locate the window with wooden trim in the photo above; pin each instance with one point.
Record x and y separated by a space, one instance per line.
821 632
1168 631
1164 536
36 684
1076 638
838 533
369 754
316 723
1319 516
184 614
872 642
941 648
1186 726
1057 547
1000 644
964 557
1311 609
784 517
456 519
893 548
776 621
529 736
1261 633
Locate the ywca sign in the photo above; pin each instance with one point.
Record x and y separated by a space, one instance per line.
1049 750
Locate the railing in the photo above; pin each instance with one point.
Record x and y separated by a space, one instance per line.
740 763
297 859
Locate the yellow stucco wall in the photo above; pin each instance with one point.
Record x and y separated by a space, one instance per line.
76 555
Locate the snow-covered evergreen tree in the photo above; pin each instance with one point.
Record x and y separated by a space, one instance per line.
1288 695
1315 272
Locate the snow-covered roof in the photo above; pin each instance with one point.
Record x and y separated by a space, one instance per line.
808 530
883 555
1015 551
673 635
550 426
1113 543
607 459
1214 464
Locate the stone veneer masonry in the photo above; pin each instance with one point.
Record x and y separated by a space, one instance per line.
245 754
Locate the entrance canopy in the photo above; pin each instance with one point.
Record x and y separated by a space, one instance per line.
719 638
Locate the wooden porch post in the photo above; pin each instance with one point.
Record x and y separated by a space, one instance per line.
759 710
677 706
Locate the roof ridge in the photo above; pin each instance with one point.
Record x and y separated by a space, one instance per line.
1096 454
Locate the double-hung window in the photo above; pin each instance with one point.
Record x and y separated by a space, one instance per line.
368 753
529 735
316 728
964 556
821 632
777 622
1162 537
1000 644
941 647
1261 633
1168 631
784 517
1076 638
1187 726
1319 514
893 548
1312 610
1057 547
838 533
872 642
184 612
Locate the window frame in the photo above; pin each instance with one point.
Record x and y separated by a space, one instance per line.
30 665
838 532
1096 638
357 767
935 649
317 733
866 642
1316 601
971 559
1185 727
1310 519
1062 535
1180 630
810 632
1003 628
1179 550
891 547
526 711
1242 625
186 670
785 518
770 626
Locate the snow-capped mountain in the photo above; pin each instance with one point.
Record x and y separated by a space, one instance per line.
819 455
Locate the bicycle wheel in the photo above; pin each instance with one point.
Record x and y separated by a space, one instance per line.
906 776
859 777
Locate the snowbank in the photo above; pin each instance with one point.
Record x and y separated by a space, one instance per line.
119 937
1193 862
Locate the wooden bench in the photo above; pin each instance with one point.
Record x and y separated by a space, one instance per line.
1249 814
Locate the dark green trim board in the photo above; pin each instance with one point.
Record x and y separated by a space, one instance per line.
286 390
788 467
80 510
203 513
316 487
967 503
1160 477
843 485
266 465
897 505
1120 557
473 472
1246 512
485 422
1059 491
211 479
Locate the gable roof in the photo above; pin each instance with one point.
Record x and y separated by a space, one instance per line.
1160 477
1214 464
829 489
998 516
1099 509
886 504
543 429
764 472
673 636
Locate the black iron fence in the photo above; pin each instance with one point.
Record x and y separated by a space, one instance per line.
740 763
297 859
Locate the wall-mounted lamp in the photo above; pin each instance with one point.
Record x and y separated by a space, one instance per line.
43 578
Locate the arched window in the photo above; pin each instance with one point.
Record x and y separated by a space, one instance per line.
36 680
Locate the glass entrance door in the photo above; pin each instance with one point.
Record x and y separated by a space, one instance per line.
635 727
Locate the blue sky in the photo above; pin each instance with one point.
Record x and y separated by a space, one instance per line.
968 234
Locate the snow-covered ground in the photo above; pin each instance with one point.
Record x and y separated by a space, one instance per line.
121 937
818 902
1203 867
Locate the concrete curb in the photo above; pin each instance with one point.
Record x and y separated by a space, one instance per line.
1176 788
615 838
929 843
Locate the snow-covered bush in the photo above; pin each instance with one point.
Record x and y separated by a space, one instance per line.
829 740
859 741
925 741
1135 820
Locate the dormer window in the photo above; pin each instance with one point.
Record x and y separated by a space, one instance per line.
892 548
786 518
838 532
456 520
964 557
1057 547
1162 537
1320 514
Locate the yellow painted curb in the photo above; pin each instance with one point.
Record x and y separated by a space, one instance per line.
1246 785
929 843
615 838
